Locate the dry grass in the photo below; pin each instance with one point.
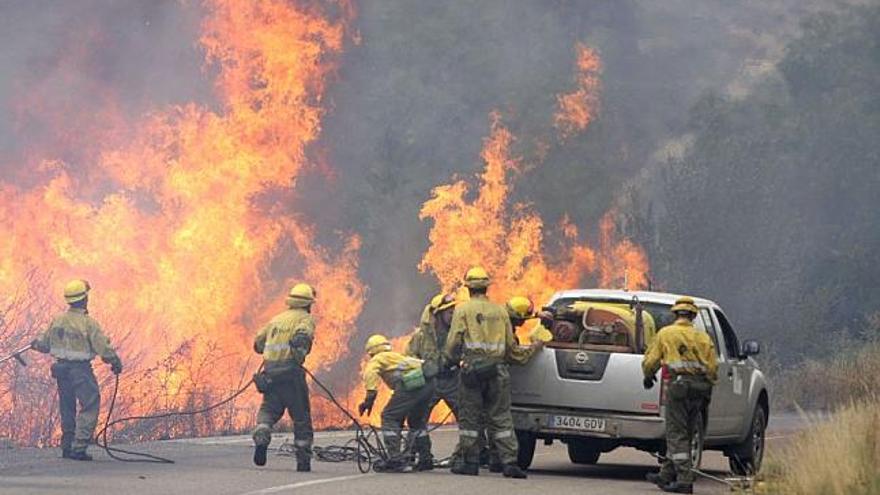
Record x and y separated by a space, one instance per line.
853 374
840 456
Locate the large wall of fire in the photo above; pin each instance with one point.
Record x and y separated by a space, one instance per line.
183 221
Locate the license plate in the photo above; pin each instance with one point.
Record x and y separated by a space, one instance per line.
577 423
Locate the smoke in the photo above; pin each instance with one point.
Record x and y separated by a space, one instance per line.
405 109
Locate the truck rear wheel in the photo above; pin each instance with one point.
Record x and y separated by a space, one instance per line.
526 451
581 452
746 458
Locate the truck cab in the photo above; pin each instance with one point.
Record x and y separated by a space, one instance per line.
590 395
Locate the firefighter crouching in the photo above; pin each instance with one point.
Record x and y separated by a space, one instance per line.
689 355
410 402
481 337
284 343
74 338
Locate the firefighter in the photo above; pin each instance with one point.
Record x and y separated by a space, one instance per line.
409 402
426 344
74 338
520 309
482 339
284 343
689 356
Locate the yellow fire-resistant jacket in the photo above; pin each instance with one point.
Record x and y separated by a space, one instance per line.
273 341
389 366
480 328
75 336
683 349
423 342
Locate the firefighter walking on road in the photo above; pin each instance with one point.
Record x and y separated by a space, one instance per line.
74 338
410 402
689 356
481 339
284 343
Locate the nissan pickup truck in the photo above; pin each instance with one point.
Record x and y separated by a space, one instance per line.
588 394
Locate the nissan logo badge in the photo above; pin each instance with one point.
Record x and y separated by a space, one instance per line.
581 357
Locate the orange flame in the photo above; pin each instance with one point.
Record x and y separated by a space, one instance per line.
506 239
181 231
578 108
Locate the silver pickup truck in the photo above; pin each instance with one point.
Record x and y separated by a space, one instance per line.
591 397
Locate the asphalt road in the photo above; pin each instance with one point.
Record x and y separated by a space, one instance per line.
222 466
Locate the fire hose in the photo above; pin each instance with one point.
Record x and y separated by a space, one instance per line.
368 450
365 452
17 355
744 482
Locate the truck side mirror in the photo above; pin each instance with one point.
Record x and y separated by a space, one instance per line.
750 348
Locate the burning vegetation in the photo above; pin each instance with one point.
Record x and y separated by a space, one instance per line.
185 222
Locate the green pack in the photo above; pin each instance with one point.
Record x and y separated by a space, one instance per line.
413 379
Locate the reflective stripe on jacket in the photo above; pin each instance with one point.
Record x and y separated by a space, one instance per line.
273 341
480 328
75 336
389 366
684 350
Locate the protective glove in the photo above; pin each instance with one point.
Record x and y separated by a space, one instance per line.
367 404
300 345
116 366
648 383
38 346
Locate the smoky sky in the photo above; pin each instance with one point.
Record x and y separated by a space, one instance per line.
408 107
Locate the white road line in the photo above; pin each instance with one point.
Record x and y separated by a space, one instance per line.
301 484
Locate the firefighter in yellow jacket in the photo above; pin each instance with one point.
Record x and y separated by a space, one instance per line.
426 343
689 355
74 338
284 343
481 339
409 402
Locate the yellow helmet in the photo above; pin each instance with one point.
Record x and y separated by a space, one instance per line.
476 278
521 307
301 296
442 301
685 304
376 344
76 290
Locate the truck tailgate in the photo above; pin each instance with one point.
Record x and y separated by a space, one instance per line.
585 380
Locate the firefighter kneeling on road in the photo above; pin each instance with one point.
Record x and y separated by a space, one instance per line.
409 402
689 355
74 338
284 343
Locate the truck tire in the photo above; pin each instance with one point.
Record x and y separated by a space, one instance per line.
746 458
582 452
526 451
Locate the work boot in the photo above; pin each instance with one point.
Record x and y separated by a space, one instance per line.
426 461
496 467
657 479
678 487
79 455
260 454
513 471
65 453
304 465
466 468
